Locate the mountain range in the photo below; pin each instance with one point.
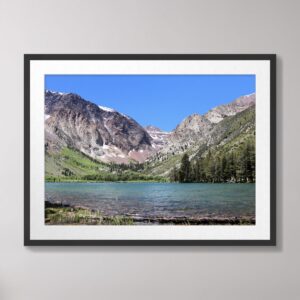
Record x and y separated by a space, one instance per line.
84 138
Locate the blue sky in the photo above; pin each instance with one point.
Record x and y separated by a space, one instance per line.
160 100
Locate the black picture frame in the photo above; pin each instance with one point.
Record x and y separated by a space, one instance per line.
31 57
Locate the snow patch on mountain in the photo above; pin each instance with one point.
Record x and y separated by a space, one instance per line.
106 108
127 117
159 138
55 93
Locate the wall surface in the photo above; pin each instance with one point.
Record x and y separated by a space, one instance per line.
141 26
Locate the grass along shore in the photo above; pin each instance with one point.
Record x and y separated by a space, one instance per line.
61 214
66 180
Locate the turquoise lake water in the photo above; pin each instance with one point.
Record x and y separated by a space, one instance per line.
158 199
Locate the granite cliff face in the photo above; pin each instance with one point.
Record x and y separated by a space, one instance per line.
218 113
196 128
160 138
99 132
192 129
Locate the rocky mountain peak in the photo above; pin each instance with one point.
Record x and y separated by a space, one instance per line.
160 138
194 122
195 128
151 128
103 134
218 113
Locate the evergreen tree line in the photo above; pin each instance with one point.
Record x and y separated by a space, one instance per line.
125 176
235 166
119 168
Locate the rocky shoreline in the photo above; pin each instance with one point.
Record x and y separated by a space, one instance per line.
57 213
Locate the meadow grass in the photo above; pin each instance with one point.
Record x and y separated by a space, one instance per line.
82 216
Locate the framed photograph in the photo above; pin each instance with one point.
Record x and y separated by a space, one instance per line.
150 149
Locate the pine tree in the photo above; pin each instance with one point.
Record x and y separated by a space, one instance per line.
184 171
224 173
207 167
232 167
218 169
197 171
248 157
174 175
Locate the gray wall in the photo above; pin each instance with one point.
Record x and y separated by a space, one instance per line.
156 26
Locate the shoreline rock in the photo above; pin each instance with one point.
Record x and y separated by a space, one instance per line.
149 220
